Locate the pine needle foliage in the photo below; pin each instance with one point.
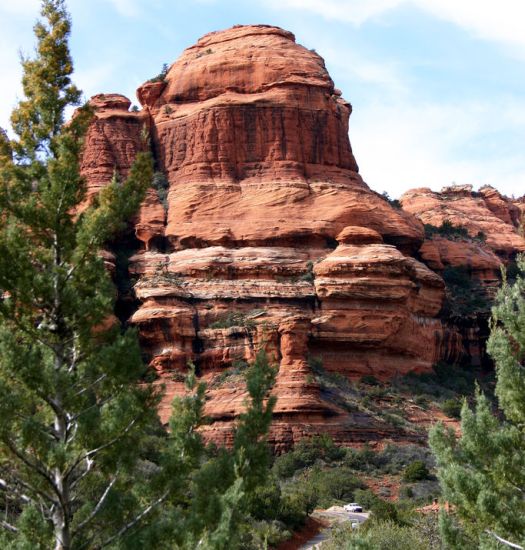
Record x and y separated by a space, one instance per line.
72 413
482 473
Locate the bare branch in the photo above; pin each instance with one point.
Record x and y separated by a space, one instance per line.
8 526
4 485
504 541
135 520
94 452
93 384
98 404
29 488
36 468
89 465
98 506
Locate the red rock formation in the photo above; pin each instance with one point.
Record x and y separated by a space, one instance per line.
271 237
249 122
112 140
483 264
486 211
493 215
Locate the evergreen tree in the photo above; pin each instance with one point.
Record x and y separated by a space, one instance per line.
80 465
212 490
482 473
72 413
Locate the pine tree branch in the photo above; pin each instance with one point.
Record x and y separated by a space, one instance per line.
29 488
36 468
80 261
8 526
89 465
97 508
504 541
92 385
94 452
135 520
4 485
97 405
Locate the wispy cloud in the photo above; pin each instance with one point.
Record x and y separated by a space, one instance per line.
500 21
358 66
404 144
127 8
351 11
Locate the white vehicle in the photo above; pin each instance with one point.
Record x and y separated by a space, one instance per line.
353 507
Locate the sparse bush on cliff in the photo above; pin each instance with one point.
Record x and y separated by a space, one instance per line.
465 296
416 471
448 230
161 184
236 319
392 202
161 77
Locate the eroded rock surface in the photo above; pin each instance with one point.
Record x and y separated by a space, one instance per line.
487 211
268 236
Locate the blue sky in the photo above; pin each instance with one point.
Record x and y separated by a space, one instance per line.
437 86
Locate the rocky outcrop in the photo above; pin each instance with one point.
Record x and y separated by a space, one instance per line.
267 237
470 262
112 140
486 212
480 261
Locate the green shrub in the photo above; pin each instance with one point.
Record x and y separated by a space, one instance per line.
448 230
370 380
383 510
161 184
363 459
423 534
335 485
298 501
161 77
366 498
306 453
416 471
452 408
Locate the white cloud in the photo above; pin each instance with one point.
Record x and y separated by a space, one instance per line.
351 11
405 144
357 66
127 8
501 21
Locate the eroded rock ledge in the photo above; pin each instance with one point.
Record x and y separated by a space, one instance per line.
268 236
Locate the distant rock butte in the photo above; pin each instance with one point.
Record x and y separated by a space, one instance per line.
486 210
270 238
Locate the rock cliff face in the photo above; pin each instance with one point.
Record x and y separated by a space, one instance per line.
259 232
487 211
471 263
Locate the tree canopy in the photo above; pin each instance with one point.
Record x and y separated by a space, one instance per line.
482 473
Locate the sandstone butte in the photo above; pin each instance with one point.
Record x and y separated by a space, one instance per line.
485 211
269 237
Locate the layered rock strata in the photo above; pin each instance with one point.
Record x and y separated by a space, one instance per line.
268 236
495 228
487 211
